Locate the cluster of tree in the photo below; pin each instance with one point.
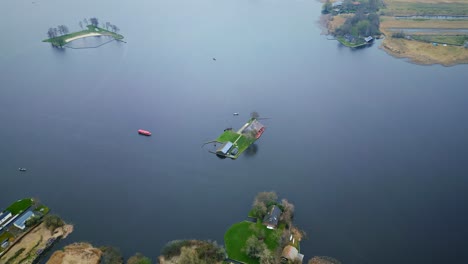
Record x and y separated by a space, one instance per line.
111 255
58 31
400 34
53 222
262 202
194 251
95 22
352 6
138 258
92 21
32 221
256 248
360 25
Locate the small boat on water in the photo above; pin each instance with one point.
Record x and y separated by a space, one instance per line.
144 132
236 114
22 169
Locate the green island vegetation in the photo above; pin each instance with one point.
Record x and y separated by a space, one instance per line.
360 28
60 35
266 239
233 143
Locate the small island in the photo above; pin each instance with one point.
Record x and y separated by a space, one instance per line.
59 36
267 235
231 144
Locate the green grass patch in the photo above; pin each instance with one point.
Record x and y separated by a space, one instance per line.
228 135
237 235
343 41
60 40
42 209
20 206
240 141
458 40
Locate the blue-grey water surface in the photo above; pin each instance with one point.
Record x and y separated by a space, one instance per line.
371 149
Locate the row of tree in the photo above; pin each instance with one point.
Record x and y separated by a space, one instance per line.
58 31
95 22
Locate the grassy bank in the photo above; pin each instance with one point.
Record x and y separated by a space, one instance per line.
62 40
457 40
343 41
420 49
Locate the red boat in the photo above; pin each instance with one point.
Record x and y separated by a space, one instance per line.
259 133
144 132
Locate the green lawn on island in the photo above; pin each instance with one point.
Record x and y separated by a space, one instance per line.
60 40
20 206
237 235
240 141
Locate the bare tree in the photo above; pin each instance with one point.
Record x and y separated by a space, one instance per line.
81 25
108 25
64 29
59 29
288 212
51 33
94 21
86 21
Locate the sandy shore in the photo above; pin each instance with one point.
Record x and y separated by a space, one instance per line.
83 36
82 253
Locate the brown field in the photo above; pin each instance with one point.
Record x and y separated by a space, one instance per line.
390 22
82 253
34 240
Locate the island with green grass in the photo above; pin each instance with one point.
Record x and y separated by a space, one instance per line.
231 144
60 35
267 235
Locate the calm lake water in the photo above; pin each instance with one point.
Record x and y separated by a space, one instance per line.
371 149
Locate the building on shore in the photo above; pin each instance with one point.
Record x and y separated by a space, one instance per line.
291 254
4 217
20 223
272 218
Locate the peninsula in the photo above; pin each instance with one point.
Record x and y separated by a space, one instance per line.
424 31
27 230
59 36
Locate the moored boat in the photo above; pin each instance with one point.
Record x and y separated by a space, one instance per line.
144 132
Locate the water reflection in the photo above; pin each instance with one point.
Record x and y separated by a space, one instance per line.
251 150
